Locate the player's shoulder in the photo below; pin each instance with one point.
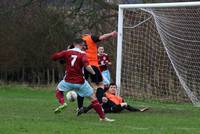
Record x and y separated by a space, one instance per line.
95 38
76 50
63 51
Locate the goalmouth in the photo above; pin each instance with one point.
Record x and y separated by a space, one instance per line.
158 51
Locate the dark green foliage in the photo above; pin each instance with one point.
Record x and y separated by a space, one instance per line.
31 31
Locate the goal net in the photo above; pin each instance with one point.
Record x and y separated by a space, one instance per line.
158 52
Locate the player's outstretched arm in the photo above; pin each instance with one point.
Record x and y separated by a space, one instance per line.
58 55
108 36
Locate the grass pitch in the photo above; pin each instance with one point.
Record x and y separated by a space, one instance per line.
26 110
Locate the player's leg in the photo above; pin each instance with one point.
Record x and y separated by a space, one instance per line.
99 95
86 90
61 88
96 83
95 80
116 109
106 77
99 110
133 109
106 105
80 99
112 107
60 96
144 109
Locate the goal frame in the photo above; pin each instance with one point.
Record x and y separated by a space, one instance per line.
120 29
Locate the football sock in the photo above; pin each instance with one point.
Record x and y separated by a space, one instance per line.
100 94
97 107
60 96
80 101
88 108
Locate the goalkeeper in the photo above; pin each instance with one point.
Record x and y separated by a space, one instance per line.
113 103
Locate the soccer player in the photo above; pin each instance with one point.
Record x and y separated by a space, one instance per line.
76 60
92 53
104 62
112 103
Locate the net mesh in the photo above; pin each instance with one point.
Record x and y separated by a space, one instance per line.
161 54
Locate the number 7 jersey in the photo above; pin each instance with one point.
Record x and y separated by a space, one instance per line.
75 61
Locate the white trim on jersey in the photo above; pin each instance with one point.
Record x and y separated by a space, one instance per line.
76 49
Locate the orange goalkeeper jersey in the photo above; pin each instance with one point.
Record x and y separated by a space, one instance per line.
91 51
114 98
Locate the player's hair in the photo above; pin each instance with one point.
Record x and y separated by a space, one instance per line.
85 31
78 41
100 46
70 46
112 84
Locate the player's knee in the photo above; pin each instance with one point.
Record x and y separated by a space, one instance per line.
93 97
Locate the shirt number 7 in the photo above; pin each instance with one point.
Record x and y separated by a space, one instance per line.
74 57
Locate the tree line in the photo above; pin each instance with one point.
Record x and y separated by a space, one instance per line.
32 30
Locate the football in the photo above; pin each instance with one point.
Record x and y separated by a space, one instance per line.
71 96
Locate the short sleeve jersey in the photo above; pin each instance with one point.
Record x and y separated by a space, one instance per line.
75 61
92 52
114 98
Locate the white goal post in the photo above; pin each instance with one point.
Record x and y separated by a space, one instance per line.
154 38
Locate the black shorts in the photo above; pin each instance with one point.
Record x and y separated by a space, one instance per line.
97 78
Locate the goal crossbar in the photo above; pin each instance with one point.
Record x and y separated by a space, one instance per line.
161 5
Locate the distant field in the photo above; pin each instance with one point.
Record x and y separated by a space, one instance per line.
25 110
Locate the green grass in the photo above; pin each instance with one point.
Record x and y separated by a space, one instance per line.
26 110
